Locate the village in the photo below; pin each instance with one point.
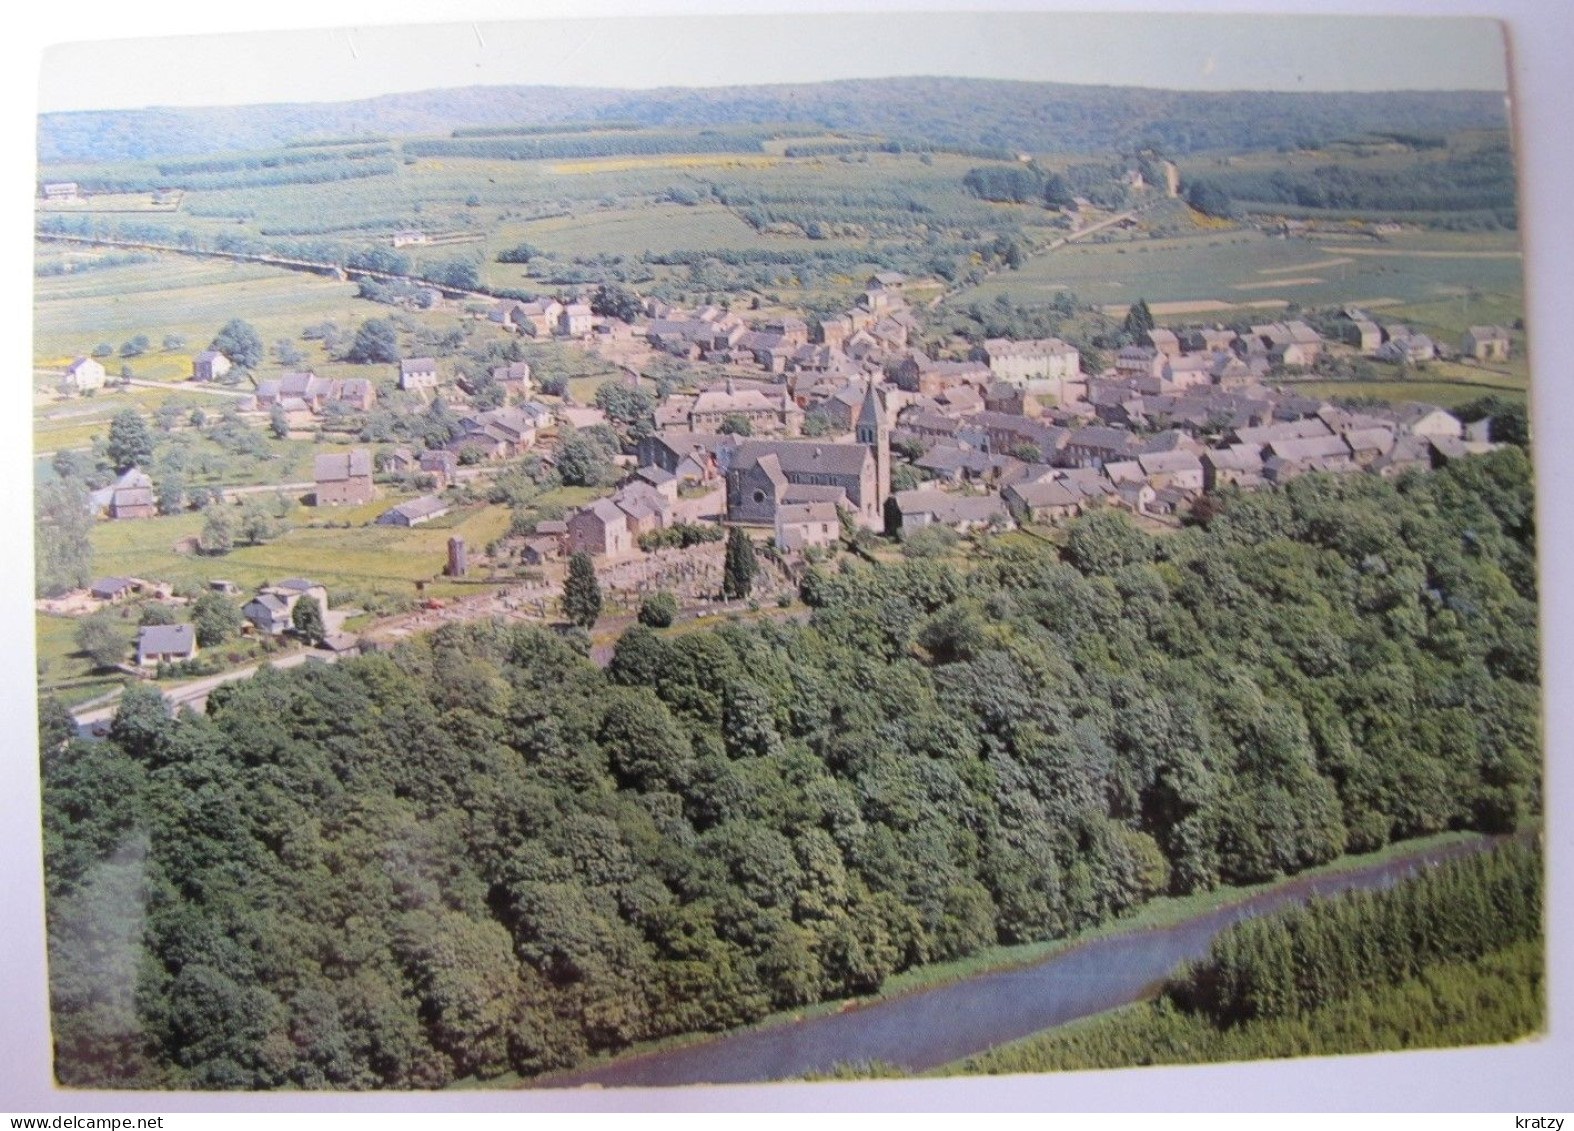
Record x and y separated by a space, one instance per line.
811 435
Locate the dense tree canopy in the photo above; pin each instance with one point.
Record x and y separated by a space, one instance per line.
484 852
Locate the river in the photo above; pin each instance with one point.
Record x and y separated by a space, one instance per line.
927 1028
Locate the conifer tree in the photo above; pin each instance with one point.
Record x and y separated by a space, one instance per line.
581 591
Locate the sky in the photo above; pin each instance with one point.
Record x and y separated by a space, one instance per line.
1213 52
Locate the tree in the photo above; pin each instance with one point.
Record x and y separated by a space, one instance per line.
581 591
174 342
306 620
740 566
279 422
218 531
613 300
288 353
155 613
215 618
658 610
375 341
171 491
735 424
1139 319
62 548
239 342
257 523
130 440
100 640
1209 198
1058 192
136 347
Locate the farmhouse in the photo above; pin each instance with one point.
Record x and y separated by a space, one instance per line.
82 374
165 643
132 496
418 373
274 606
209 365
1486 343
344 478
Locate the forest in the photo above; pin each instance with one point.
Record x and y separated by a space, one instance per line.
973 113
1481 180
482 853
1451 956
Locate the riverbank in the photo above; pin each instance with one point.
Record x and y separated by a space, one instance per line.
643 1064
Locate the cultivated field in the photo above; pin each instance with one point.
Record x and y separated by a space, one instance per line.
1244 267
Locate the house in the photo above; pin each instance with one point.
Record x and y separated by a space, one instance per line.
418 373
408 237
1044 501
132 496
344 478
1181 470
1403 346
414 512
60 190
209 365
1239 465
771 414
273 608
515 375
1364 334
802 525
574 321
112 589
1486 343
1038 365
925 506
440 464
1427 420
82 374
601 529
1139 361
537 318
165 643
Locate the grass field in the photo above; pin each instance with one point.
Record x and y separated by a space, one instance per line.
1231 268
361 558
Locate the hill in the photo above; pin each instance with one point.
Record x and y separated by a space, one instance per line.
1038 117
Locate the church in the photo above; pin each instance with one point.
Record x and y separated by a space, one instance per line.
763 475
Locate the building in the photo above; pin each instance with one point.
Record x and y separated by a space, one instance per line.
414 512
132 496
344 478
802 525
778 414
1040 365
209 365
273 609
418 373
112 589
61 190
165 643
408 237
83 374
575 320
1487 343
601 529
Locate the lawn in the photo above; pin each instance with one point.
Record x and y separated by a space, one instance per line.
66 672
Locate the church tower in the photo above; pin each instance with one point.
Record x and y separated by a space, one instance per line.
872 430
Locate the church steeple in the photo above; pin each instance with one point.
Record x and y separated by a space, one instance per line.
871 429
